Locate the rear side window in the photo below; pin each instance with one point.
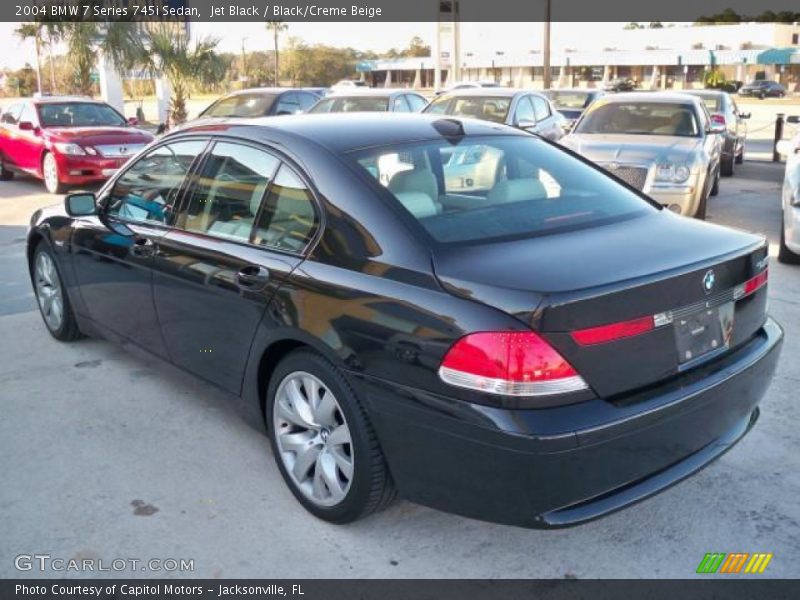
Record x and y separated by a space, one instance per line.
399 104
288 220
11 115
147 191
288 104
352 104
225 201
306 100
487 109
241 105
490 188
417 103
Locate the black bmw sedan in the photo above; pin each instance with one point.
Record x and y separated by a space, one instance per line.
455 311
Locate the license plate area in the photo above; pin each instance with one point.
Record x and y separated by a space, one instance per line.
704 333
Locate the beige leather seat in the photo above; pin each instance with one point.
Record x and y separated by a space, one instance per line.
516 190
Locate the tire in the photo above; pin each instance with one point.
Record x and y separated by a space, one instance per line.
52 179
701 210
785 255
715 186
323 486
740 157
51 296
5 174
726 168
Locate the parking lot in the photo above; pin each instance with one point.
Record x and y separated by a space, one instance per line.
107 456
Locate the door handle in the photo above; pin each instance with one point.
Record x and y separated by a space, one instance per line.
252 277
142 247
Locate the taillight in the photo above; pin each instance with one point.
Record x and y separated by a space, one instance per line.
752 285
613 332
510 363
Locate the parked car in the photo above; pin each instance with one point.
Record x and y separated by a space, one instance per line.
762 88
620 84
523 109
789 251
724 111
371 100
571 103
262 102
540 354
663 144
66 141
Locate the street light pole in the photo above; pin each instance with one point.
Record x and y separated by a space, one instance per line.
546 43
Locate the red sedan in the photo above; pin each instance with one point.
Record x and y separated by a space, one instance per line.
66 141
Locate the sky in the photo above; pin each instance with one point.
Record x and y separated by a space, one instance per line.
363 36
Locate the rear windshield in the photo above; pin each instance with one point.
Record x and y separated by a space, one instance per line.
569 100
487 108
241 105
642 118
491 188
79 114
352 104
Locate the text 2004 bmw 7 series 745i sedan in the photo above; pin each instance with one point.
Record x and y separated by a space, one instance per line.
540 349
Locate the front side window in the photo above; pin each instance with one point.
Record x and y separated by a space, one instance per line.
241 105
288 220
79 114
417 103
147 191
225 201
28 114
569 100
306 100
640 118
399 104
524 111
287 104
488 188
540 108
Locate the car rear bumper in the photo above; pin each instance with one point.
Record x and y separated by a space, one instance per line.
791 224
77 170
563 466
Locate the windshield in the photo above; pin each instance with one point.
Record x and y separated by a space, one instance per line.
241 105
79 114
569 100
640 118
352 104
487 108
488 188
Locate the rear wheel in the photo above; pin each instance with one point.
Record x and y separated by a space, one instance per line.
52 178
785 255
53 302
323 442
726 166
5 174
715 186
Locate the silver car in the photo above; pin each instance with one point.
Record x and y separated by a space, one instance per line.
789 251
662 144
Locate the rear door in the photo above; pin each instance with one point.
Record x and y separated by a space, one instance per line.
29 144
113 252
243 228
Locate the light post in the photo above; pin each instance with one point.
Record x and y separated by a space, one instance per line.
546 44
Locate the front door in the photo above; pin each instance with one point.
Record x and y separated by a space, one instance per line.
240 233
113 253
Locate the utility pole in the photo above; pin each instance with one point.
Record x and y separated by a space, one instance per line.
244 64
546 42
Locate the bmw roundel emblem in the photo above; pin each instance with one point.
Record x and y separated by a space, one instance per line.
708 281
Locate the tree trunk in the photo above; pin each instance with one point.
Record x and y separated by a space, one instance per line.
38 66
277 63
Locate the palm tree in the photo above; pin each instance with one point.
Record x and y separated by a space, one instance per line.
33 31
168 55
276 27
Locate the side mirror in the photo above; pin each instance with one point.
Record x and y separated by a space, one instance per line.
526 124
81 204
794 119
786 147
133 121
25 126
744 115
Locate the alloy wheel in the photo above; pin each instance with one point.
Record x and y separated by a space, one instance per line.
313 439
50 169
48 291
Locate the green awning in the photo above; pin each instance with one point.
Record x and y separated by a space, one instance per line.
776 56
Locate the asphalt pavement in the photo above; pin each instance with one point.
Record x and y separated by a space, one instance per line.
106 456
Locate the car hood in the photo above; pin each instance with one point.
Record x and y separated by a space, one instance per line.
630 148
98 135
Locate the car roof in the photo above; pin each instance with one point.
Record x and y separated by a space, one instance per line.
266 90
498 92
574 90
343 132
369 92
650 97
706 93
60 99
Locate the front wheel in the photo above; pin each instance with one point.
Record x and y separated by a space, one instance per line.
52 178
323 442
53 302
726 166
